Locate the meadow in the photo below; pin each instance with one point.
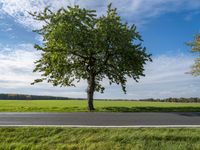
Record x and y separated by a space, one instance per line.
48 138
100 105
97 139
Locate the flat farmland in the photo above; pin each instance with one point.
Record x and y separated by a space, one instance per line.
100 105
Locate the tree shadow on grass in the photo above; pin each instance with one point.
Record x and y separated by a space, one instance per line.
151 109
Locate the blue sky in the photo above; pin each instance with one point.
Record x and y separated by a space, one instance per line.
165 26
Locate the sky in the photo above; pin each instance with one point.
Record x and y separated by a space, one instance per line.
165 26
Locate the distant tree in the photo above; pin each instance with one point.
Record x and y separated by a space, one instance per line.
195 44
79 45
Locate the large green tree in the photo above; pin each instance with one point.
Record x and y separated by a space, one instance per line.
195 44
79 45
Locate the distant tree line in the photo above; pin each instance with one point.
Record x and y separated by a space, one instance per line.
37 97
175 100
182 100
29 97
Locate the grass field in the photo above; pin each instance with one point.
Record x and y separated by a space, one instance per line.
100 139
104 106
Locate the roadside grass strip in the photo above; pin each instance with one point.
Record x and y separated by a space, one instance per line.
48 138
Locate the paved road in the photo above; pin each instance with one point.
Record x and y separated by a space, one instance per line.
100 119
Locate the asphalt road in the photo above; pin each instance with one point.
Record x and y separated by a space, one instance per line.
100 119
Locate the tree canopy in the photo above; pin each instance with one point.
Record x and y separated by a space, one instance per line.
195 44
79 45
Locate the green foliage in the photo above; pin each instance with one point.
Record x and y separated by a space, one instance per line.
77 45
196 48
101 138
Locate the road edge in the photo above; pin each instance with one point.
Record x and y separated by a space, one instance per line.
91 126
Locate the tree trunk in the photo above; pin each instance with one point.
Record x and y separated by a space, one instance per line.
90 92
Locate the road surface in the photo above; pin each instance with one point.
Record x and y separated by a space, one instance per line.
100 119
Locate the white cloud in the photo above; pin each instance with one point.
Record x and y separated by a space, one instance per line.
165 69
134 11
165 77
8 29
16 63
16 74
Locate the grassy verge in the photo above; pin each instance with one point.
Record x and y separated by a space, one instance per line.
101 106
98 139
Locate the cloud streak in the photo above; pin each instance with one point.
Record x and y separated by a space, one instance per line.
133 11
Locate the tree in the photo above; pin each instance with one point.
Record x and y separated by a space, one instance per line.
79 45
196 48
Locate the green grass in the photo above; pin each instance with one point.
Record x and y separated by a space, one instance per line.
101 106
100 139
